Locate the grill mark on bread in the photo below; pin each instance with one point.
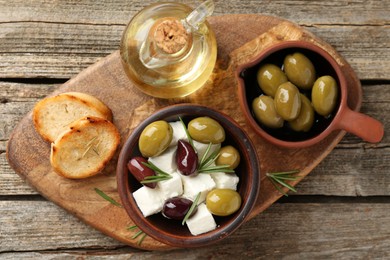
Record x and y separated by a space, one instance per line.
91 120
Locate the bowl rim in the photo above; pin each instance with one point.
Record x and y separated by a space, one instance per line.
219 233
333 125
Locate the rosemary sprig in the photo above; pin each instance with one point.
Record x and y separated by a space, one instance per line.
153 167
204 157
137 234
192 208
156 178
188 134
132 227
108 198
207 160
95 148
141 239
86 151
90 145
278 180
160 174
218 168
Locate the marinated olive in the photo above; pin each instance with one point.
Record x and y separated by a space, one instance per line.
300 70
270 77
223 202
140 171
177 208
305 119
206 130
264 110
287 101
186 158
228 155
155 138
324 95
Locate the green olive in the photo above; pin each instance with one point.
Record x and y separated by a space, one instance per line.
206 130
155 138
305 119
228 155
223 202
287 101
270 77
324 95
264 110
300 70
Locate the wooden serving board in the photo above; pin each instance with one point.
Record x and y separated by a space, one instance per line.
239 37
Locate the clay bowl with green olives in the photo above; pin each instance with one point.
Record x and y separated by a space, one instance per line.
294 94
170 231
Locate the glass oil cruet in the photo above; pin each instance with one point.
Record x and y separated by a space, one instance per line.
169 50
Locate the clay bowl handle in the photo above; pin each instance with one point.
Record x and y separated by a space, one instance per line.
361 125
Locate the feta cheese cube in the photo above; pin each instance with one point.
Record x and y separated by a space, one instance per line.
225 180
202 221
192 185
201 148
172 187
179 133
166 161
149 200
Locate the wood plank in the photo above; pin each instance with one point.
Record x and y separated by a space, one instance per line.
296 230
350 172
118 12
31 49
367 57
11 183
40 225
62 45
56 50
17 99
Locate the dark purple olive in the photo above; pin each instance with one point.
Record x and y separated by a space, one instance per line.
186 158
140 171
177 208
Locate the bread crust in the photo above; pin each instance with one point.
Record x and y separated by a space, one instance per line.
52 115
85 148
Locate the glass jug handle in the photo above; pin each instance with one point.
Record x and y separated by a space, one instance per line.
198 16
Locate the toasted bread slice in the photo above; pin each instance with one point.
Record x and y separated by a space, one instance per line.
53 115
85 148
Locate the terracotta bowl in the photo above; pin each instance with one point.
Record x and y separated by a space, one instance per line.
342 118
171 232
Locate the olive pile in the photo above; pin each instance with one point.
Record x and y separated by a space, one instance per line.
157 137
293 94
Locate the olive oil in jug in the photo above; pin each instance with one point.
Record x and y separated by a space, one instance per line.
168 50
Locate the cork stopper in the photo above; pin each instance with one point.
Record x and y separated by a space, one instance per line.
170 36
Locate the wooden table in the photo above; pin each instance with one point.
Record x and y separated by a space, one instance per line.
341 210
